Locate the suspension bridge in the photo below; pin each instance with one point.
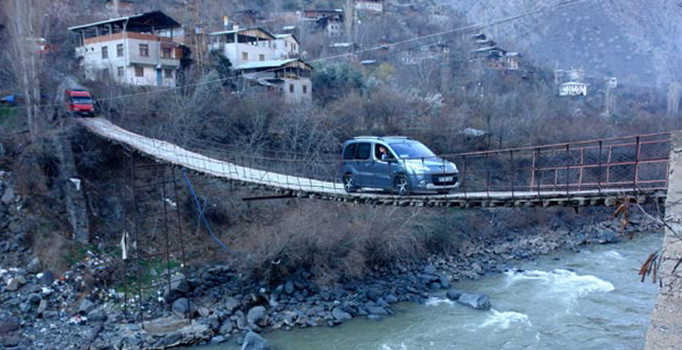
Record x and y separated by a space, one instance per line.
588 173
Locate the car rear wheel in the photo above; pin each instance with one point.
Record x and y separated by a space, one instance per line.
349 183
402 185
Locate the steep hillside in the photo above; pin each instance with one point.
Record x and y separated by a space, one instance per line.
636 41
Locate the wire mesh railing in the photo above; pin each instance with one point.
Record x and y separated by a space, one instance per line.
624 164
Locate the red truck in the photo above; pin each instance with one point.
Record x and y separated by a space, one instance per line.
79 102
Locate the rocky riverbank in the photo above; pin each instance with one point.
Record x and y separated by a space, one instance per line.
43 311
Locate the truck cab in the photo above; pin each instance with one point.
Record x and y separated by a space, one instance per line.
78 102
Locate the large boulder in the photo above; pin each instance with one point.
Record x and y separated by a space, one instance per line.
476 301
256 316
377 310
182 308
8 196
34 266
341 315
12 284
86 306
178 288
97 315
453 294
230 305
253 341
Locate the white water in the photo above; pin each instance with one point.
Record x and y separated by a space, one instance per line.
587 300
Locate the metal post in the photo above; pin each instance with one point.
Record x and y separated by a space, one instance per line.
462 183
513 172
537 161
487 177
568 168
125 227
137 243
601 170
582 168
165 228
182 241
634 180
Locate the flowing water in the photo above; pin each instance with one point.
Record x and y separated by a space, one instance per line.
587 300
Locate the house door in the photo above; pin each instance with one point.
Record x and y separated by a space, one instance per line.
158 77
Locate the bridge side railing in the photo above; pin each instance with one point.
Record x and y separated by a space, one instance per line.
636 163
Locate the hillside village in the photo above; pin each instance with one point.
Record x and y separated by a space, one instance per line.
264 51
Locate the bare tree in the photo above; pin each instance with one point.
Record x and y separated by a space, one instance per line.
24 26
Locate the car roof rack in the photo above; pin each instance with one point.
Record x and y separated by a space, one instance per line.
381 137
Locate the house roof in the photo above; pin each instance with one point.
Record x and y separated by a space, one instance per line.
270 64
254 30
342 45
284 36
142 21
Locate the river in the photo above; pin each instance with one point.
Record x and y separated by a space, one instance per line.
587 300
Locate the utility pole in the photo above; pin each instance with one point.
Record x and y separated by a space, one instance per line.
196 33
115 5
349 19
607 101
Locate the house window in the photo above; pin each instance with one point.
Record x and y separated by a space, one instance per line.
119 50
166 52
105 73
139 71
245 56
120 71
168 73
261 57
105 52
144 50
305 89
291 88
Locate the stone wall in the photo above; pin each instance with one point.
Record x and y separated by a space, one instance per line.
665 330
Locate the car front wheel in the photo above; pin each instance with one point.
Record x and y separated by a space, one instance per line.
349 183
402 185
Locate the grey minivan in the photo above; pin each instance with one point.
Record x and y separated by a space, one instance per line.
395 163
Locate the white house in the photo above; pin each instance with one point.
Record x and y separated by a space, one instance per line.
573 88
264 59
330 20
372 6
287 45
137 50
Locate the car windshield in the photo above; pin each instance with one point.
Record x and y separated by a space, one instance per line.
81 100
411 149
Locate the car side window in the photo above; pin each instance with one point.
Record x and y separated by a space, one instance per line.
349 152
381 152
363 151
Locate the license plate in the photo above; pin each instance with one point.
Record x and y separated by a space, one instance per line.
446 179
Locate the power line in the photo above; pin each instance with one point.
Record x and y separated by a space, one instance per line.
374 48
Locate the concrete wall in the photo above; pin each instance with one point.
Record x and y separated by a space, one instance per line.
94 65
298 86
234 52
665 329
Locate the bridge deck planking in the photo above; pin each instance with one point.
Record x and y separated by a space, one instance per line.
306 187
